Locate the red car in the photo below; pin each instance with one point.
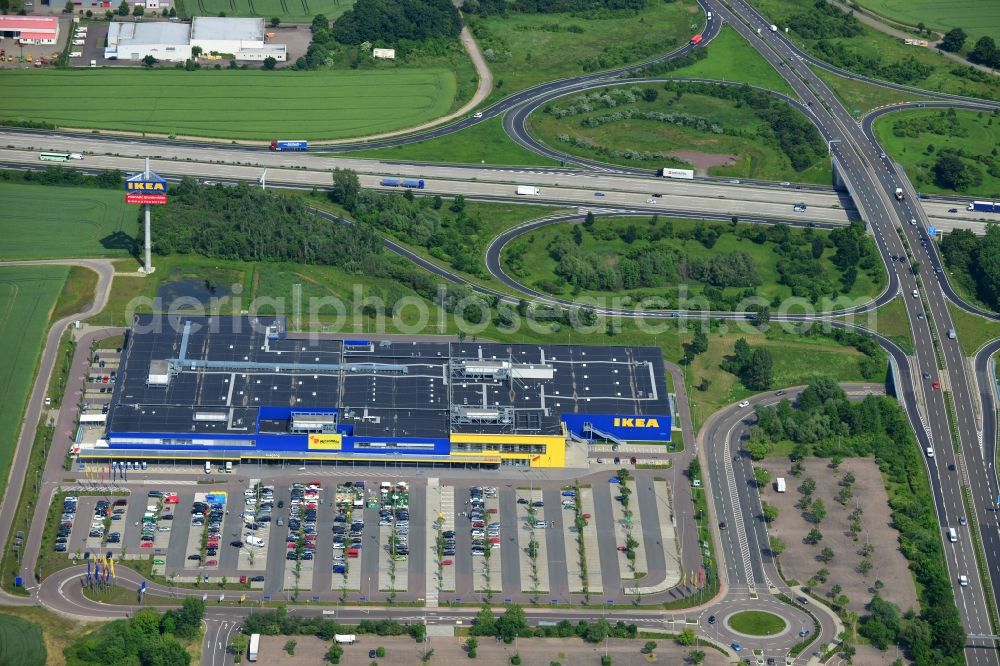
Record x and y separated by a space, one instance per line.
212 563
622 549
491 510
494 539
172 499
447 563
243 580
586 516
292 545
146 544
936 385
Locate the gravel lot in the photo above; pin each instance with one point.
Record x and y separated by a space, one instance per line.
799 559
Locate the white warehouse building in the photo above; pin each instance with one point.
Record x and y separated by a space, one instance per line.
162 40
243 38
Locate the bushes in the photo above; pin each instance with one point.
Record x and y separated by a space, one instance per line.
824 21
147 639
488 7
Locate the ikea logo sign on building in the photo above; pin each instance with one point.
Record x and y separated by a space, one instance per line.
629 422
621 427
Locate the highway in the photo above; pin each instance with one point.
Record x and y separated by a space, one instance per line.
871 179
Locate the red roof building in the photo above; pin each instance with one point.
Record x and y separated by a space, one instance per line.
30 29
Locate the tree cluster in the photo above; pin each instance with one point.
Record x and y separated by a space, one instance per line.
278 622
953 40
975 262
754 367
826 420
392 21
503 7
953 173
985 52
824 21
249 224
149 638
513 622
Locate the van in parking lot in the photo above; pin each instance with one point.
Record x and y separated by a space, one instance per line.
253 540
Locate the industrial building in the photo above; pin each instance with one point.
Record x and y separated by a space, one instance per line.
28 30
243 38
243 388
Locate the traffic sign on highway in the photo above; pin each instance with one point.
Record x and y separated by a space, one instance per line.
932 231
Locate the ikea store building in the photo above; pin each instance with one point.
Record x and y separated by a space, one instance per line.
245 389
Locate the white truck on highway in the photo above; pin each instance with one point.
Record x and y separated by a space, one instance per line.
529 190
899 194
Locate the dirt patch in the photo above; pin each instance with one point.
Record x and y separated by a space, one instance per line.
534 652
799 559
704 161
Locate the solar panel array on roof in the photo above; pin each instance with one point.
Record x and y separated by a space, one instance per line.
196 378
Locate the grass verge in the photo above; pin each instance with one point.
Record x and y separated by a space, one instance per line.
731 58
483 143
860 97
917 139
972 330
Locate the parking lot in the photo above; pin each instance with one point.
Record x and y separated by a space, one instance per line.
349 535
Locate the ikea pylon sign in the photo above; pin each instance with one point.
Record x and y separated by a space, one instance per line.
142 190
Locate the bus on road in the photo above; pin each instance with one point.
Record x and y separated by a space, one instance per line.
59 157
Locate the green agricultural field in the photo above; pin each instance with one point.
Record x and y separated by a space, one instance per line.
27 295
289 11
671 144
890 53
251 104
20 642
916 139
731 58
976 17
46 222
526 49
532 259
483 143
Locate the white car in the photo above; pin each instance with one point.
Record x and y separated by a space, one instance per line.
745 403
963 580
930 452
651 201
477 114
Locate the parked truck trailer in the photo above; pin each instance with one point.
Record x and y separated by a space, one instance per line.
254 648
345 639
289 145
